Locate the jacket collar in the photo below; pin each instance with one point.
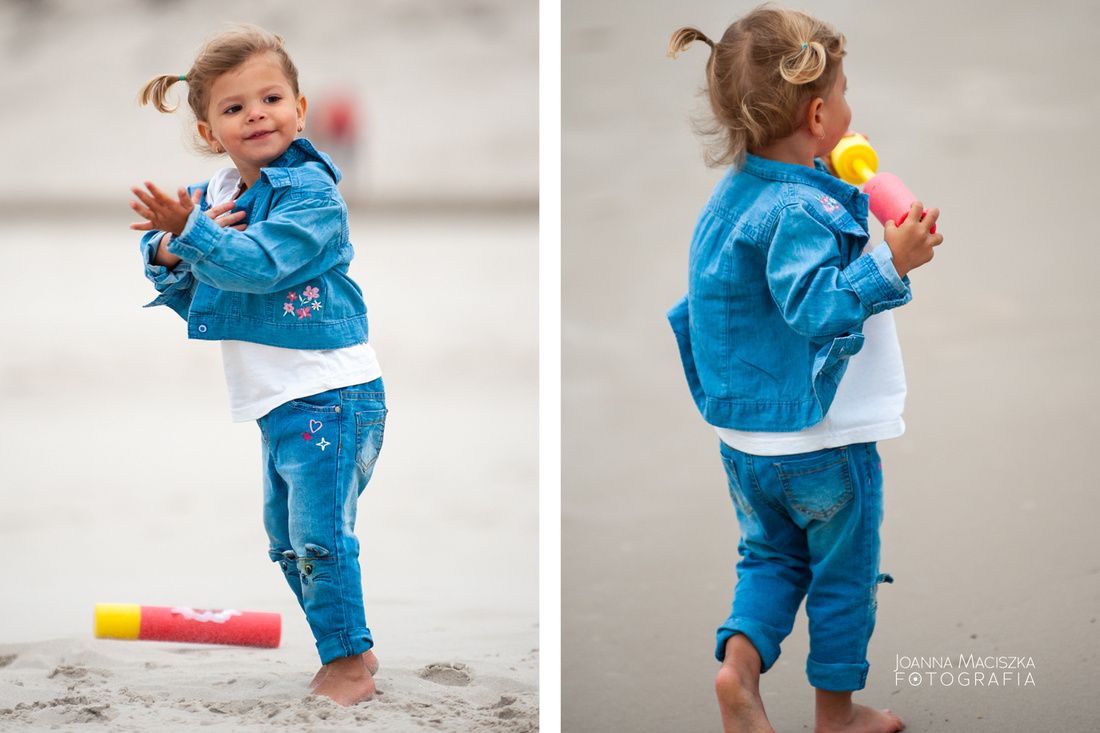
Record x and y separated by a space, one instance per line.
301 151
818 177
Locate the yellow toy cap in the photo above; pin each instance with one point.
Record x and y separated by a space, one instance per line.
117 621
854 159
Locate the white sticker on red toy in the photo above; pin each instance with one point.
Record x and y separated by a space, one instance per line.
203 615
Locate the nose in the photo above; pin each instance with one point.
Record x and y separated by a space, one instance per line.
256 113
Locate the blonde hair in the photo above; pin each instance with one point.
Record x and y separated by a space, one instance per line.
767 67
223 52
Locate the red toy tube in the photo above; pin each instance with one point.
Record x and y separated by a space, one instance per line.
890 199
192 625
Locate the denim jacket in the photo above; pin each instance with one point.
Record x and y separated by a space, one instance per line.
283 281
778 291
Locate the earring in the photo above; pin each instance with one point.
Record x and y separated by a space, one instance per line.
821 136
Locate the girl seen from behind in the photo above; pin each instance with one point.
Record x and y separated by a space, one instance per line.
790 352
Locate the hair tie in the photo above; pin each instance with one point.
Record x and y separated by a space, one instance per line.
800 51
183 77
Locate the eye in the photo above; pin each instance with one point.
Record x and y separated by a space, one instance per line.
272 98
233 109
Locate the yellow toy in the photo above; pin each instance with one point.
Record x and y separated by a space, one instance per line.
854 160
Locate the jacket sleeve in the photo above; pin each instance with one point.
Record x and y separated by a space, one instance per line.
819 297
301 238
176 286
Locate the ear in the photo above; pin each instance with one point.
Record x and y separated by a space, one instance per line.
301 112
815 117
206 132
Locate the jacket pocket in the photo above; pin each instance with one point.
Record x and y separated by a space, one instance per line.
817 485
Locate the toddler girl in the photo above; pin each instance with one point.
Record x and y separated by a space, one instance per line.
257 258
790 352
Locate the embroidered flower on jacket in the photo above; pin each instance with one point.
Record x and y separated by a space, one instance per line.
311 295
830 204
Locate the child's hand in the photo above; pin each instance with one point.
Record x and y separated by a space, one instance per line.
161 211
223 218
911 244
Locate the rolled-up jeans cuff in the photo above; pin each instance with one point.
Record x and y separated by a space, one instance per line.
343 644
757 633
837 677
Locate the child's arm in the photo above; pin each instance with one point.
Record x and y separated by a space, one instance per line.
302 237
175 285
170 276
820 297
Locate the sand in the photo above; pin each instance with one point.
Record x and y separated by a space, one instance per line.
63 685
986 110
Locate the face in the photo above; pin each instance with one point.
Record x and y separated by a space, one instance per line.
836 116
253 115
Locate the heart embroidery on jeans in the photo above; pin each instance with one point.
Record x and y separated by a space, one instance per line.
314 426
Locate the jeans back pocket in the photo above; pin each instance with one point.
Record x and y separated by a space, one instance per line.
819 484
370 427
736 493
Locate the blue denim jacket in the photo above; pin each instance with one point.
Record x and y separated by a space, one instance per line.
283 281
777 295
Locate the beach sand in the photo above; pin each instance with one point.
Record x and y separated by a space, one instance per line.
126 482
985 110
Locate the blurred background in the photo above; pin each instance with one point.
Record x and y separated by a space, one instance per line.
429 102
121 476
984 109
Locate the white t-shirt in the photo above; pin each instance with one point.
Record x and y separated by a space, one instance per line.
867 406
261 377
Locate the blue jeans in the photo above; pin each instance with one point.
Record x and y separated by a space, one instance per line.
318 454
809 529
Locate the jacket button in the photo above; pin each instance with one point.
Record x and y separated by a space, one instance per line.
202 329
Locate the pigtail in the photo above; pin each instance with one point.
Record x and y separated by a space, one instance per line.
684 37
805 65
155 91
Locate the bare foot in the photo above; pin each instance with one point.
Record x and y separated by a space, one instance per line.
738 688
318 677
836 713
346 680
371 661
368 659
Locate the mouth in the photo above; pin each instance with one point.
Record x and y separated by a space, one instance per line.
260 135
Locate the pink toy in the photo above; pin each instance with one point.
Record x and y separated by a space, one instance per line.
890 199
855 161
